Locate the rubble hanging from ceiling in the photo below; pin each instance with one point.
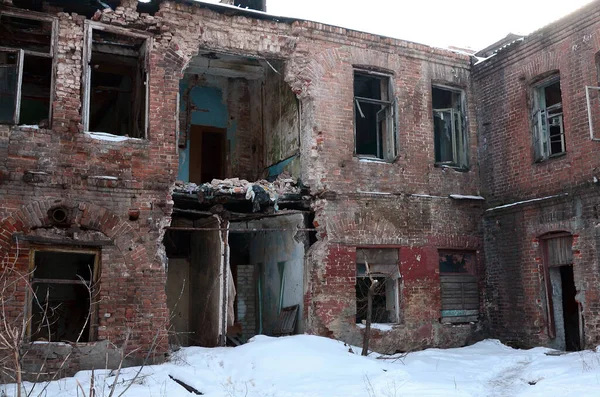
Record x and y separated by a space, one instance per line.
260 193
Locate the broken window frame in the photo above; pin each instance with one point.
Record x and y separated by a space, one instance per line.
93 285
387 117
542 117
390 272
21 53
90 26
459 133
588 97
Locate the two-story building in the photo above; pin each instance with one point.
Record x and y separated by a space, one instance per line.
180 173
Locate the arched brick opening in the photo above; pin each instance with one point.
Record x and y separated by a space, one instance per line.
130 302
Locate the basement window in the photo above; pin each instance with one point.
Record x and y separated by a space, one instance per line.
459 288
374 116
547 120
26 69
449 129
63 290
116 81
382 266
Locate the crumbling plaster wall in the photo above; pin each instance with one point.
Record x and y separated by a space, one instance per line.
231 104
504 88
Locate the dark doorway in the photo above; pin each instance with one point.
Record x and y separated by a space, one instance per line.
570 309
207 153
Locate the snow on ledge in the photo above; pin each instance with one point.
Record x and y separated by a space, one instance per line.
427 196
465 197
105 136
104 177
380 193
378 326
527 201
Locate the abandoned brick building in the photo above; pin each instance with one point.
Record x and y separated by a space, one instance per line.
181 173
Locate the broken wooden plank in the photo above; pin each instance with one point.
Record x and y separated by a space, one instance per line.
186 386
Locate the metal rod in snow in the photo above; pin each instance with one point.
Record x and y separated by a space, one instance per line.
208 229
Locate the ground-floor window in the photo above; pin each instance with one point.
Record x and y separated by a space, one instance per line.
459 288
62 297
377 266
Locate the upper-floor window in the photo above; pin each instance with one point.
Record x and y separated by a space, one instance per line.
374 116
449 129
26 68
115 92
547 120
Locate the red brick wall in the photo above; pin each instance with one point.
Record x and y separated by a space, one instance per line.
418 227
319 68
503 85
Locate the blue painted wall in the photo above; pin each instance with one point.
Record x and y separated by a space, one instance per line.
210 107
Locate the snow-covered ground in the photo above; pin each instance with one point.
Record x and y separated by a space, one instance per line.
310 366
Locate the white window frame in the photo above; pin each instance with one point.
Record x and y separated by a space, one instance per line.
34 16
387 117
90 26
460 158
541 119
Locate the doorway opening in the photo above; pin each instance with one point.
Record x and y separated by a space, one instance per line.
564 311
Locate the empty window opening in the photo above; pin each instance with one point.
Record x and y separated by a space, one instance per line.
116 84
547 120
63 284
449 127
26 66
380 265
459 287
374 116
564 315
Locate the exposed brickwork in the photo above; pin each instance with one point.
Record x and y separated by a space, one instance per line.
515 292
246 298
40 167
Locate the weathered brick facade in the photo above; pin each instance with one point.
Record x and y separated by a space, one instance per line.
118 194
514 259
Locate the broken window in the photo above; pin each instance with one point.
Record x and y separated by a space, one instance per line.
459 288
374 116
450 138
381 265
63 288
26 69
116 82
547 120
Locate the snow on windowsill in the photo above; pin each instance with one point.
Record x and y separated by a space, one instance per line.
105 136
378 326
32 127
372 160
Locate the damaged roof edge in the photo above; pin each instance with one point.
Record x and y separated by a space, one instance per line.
508 44
233 10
